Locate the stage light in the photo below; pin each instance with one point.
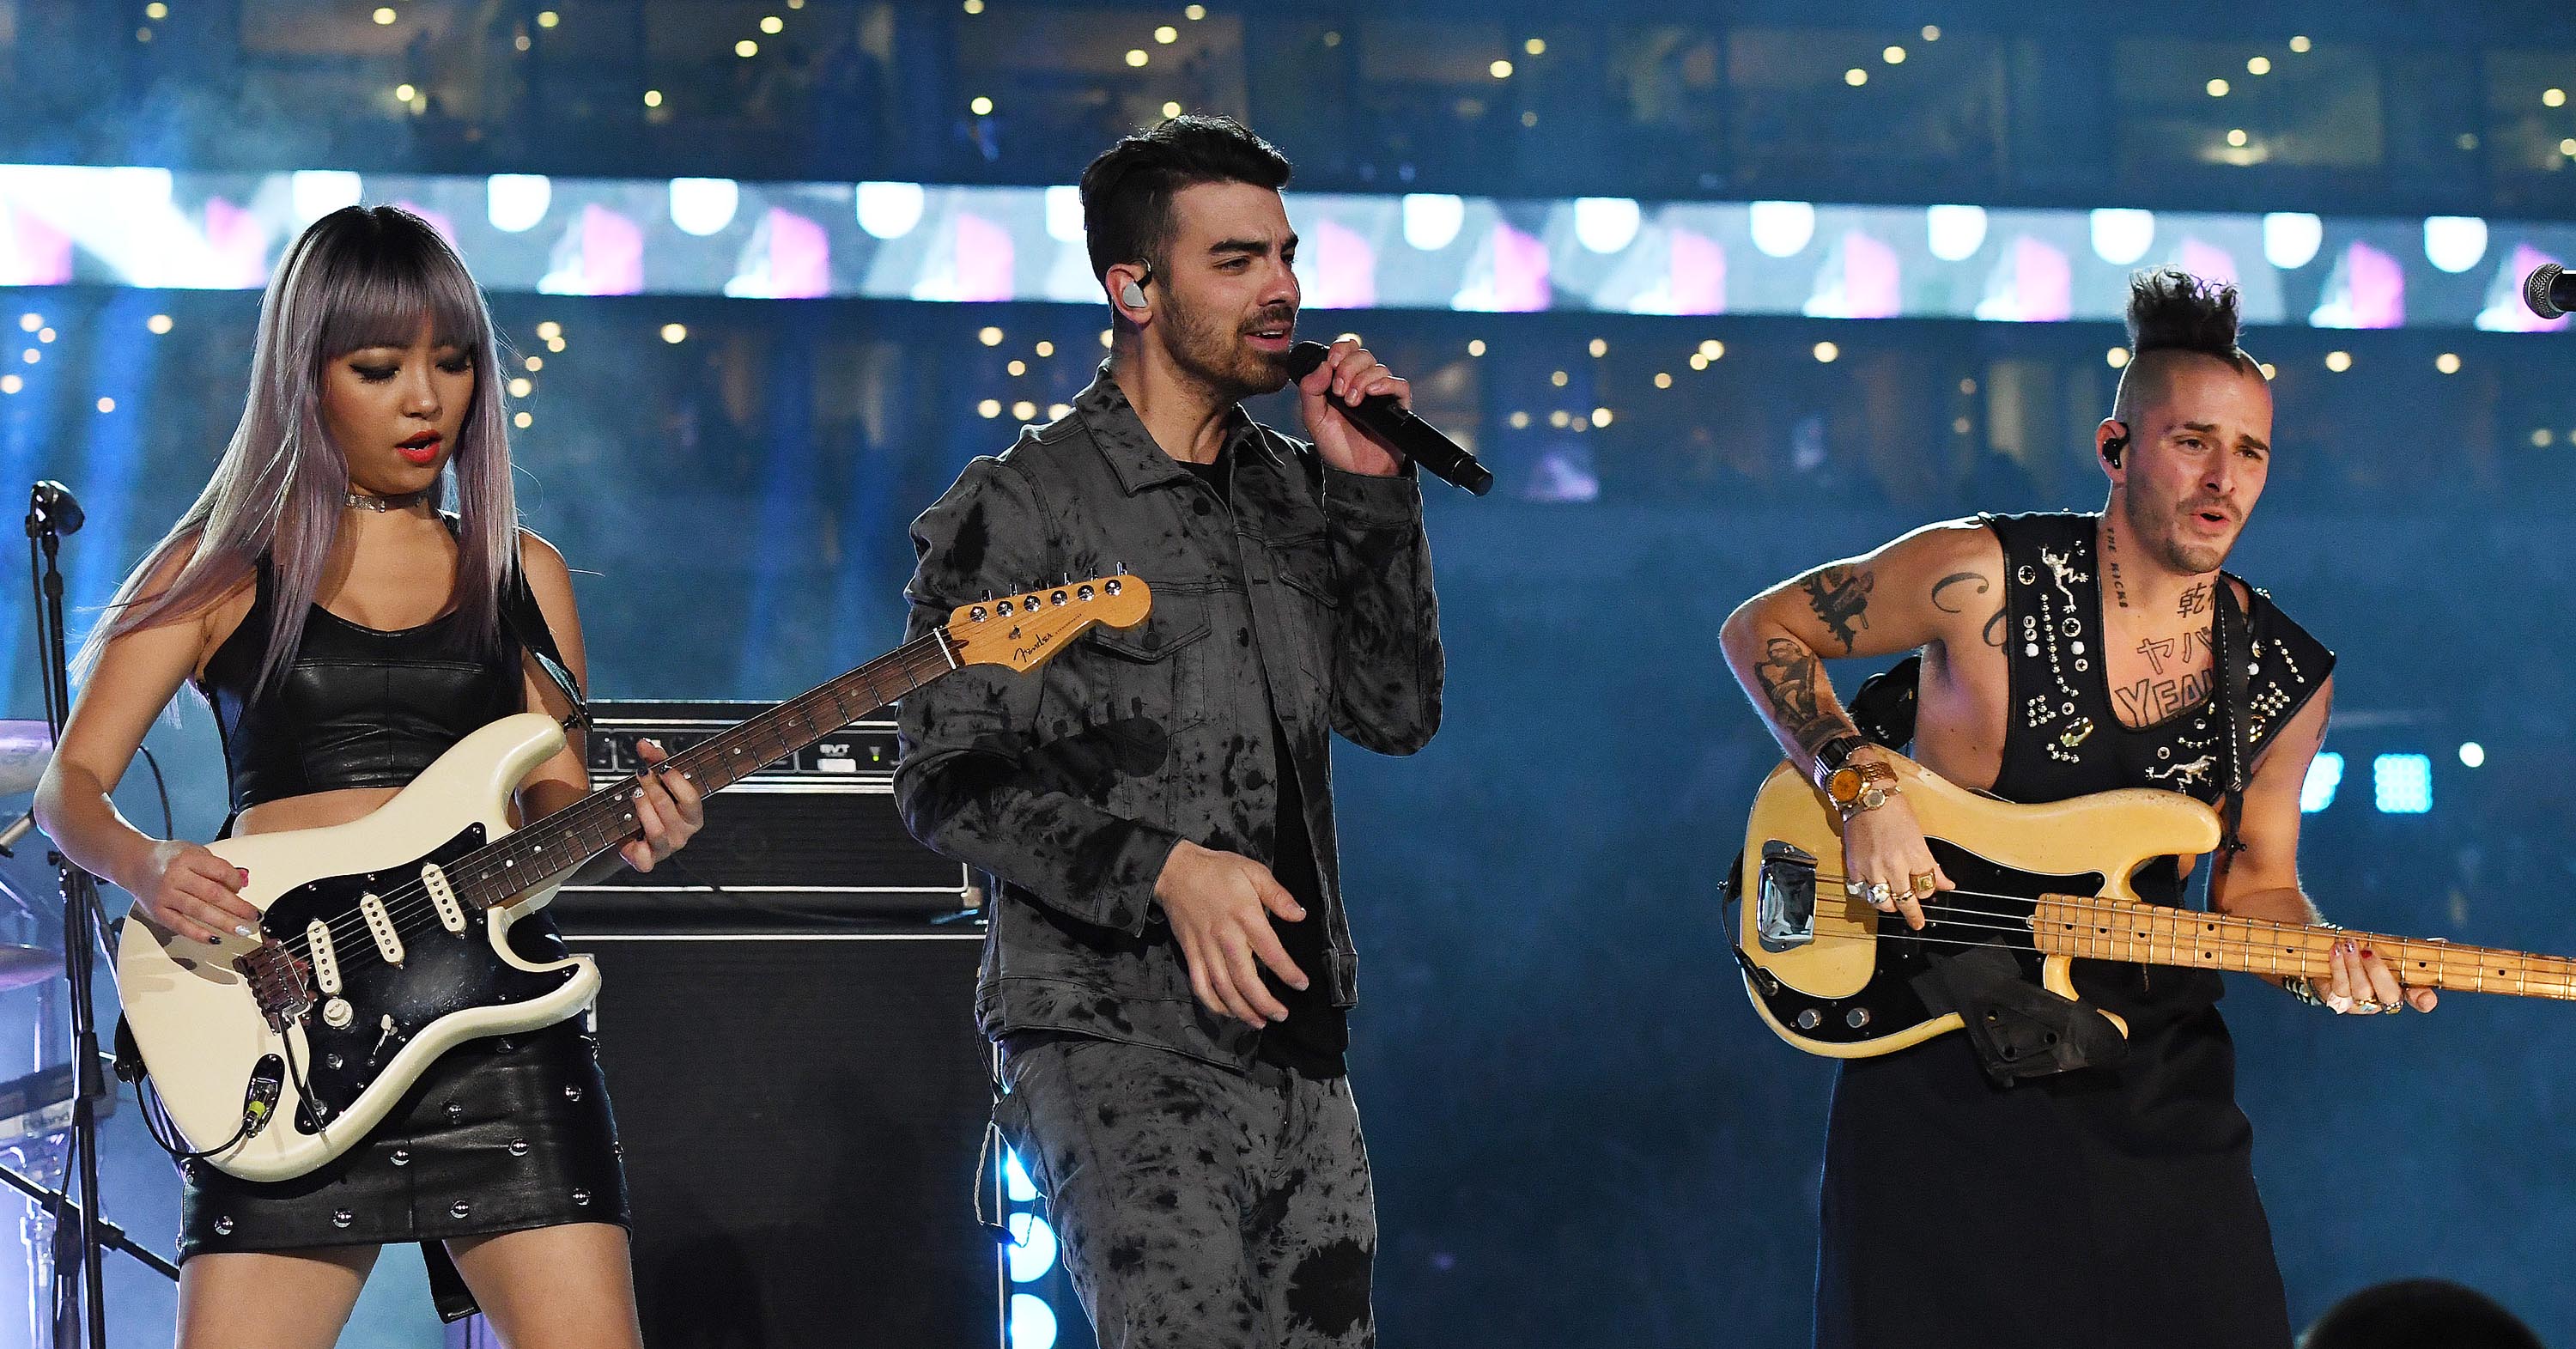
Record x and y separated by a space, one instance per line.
2298 44
31 356
1600 416
1046 348
1894 56
772 24
106 405
2266 368
385 14
2448 363
675 333
1606 224
45 335
1827 352
1931 32
992 407
1432 219
2567 147
515 202
1057 412
2553 98
1167 35
1955 233
1064 214
1024 410
1171 109
652 98
2121 235
2454 243
1663 379
1332 39
547 18
1032 1323
1967 386
890 210
1855 77
1698 361
523 421
143 35
1529 118
1560 419
2258 65
1536 46
2541 436
2338 361
11 384
549 331
2472 754
1194 13
521 42
1033 1248
2402 784
1557 378
2217 88
1959 425
2291 239
2325 776
522 386
1475 346
28 323
991 337
555 345
1519 420
703 206
318 192
1781 229
1136 56
1017 368
1600 347
1501 70
981 107
974 6
1712 349
156 10
2236 137
158 324
403 93
746 49
1105 339
2118 357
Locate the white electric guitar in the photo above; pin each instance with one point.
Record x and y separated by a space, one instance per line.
384 942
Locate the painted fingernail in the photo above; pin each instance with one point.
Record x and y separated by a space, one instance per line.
245 874
2365 950
244 930
214 941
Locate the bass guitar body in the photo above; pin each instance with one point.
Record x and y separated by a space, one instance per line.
295 1064
1833 976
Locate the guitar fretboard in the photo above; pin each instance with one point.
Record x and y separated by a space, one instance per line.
501 872
2104 929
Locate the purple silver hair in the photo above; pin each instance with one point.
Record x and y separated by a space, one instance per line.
362 276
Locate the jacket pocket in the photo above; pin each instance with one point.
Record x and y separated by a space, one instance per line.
1155 671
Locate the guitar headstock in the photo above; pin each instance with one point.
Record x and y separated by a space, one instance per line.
1022 631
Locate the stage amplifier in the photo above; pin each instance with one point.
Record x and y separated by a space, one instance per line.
813 840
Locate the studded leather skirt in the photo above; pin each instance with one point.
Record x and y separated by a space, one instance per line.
500 1135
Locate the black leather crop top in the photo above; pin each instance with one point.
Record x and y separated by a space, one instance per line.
358 707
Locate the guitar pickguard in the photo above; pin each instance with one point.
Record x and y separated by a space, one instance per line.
442 972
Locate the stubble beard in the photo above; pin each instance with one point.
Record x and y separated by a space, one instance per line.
2160 537
1213 353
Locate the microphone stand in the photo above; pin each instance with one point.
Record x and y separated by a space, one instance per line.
79 1229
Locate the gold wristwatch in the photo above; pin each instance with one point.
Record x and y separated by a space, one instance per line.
1856 787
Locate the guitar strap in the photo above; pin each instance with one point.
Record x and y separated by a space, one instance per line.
2232 636
526 623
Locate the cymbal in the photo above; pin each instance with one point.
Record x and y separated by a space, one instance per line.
25 748
21 966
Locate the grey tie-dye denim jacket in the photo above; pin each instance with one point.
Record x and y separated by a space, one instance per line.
1070 785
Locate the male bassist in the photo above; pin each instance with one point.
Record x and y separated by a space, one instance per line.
1169 967
2112 1205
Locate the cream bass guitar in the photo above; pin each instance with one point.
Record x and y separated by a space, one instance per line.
2050 884
384 942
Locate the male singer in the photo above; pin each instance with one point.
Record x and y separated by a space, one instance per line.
1169 969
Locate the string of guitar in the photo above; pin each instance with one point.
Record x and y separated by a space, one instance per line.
410 907
2443 966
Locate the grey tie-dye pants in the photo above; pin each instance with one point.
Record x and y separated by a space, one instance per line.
1199 1208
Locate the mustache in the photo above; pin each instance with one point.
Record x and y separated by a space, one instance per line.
1271 318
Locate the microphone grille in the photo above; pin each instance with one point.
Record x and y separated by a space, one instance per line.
2536 287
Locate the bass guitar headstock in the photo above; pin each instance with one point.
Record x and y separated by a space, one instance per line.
1022 631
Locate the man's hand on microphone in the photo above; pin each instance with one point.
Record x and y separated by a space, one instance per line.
1326 394
1219 905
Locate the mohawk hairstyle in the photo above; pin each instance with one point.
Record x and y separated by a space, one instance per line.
2173 312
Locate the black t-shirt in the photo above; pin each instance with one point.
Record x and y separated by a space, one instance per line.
1312 1040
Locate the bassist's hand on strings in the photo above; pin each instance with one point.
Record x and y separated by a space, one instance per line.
667 806
2362 984
1886 861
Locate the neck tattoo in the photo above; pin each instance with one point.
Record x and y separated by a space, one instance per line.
360 501
2111 554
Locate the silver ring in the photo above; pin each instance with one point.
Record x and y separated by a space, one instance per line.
1854 889
2397 1006
1878 894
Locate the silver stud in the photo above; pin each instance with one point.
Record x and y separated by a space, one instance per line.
455 1112
618 1148
459 1209
402 1157
341 1217
506 1045
518 1147
334 1060
224 1226
572 1093
2030 649
581 1197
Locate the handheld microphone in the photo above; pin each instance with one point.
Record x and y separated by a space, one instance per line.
53 506
2549 290
1394 423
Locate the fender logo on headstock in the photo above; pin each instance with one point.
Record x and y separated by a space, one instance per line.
1042 641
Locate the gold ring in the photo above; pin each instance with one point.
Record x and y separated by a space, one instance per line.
1925 883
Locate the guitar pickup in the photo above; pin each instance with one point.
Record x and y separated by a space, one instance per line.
1784 913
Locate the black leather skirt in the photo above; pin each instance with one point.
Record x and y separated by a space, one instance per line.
500 1135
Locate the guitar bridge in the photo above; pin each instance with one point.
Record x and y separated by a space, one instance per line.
277 984
1784 912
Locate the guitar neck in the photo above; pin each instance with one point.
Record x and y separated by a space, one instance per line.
501 872
2104 929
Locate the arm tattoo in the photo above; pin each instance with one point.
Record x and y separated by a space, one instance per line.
1993 632
1792 679
1840 596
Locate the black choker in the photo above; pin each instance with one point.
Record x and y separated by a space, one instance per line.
362 502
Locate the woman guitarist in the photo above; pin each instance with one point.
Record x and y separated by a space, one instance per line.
346 632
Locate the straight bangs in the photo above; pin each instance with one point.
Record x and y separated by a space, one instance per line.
382 299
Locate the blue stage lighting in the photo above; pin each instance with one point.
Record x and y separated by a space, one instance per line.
2325 774
2472 754
2402 784
1015 1177
1032 1323
1033 1248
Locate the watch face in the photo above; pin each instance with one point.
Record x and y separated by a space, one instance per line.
1843 786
